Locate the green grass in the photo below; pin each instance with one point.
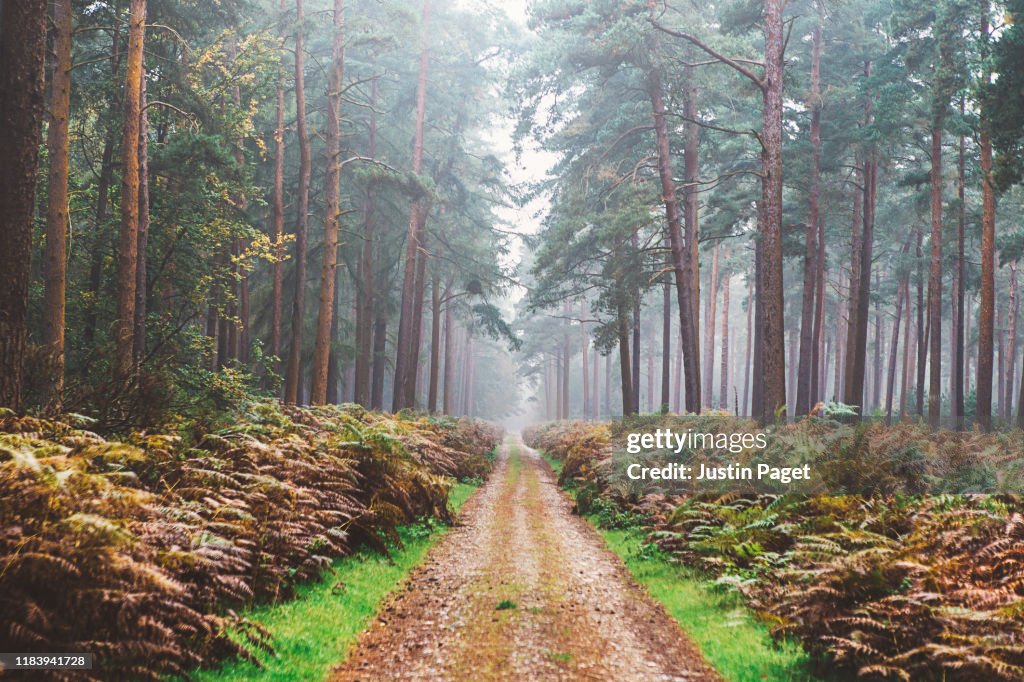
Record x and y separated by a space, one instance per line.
515 463
556 464
313 632
732 640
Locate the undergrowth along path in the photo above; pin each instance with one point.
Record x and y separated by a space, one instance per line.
522 590
313 632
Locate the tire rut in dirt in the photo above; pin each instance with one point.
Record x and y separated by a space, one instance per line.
522 590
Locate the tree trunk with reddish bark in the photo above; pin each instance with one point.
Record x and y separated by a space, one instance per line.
293 380
1011 342
666 344
332 197
682 261
983 390
22 61
406 324
366 292
55 264
935 278
435 342
770 291
128 245
277 219
723 389
141 272
707 380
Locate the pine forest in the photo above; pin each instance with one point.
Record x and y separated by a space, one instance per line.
324 325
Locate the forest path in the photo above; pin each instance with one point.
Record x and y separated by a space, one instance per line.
522 589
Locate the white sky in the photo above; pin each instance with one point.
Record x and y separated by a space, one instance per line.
532 165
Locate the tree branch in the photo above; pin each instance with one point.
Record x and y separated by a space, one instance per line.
759 82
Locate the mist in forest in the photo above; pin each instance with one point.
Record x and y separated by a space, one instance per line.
534 210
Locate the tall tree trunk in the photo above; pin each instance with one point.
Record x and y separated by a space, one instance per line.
335 378
757 363
240 280
826 350
806 385
857 341
406 324
435 341
968 345
412 367
380 358
128 246
584 342
55 258
293 383
1020 402
890 388
595 401
820 359
22 63
842 331
447 401
1000 361
770 291
625 362
141 274
637 301
905 377
608 384
792 346
231 253
708 379
750 340
691 211
666 343
853 375
956 321
902 298
277 215
328 274
922 331
1011 342
867 251
364 321
876 370
723 398
983 390
935 278
677 390
682 260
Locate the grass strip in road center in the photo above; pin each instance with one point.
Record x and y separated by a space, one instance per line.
313 632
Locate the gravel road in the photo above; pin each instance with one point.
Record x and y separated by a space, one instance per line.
522 589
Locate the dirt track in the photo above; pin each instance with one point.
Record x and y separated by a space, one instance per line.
522 590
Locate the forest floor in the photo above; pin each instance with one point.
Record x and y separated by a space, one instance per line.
522 589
